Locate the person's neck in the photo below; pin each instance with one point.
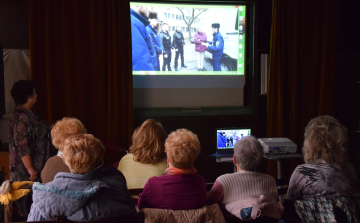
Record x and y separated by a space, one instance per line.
238 169
26 106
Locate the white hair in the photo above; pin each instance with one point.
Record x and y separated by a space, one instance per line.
248 152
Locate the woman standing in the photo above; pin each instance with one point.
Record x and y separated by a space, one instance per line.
30 143
199 37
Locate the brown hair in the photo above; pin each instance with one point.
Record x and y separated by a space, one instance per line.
63 129
148 142
182 147
325 138
82 153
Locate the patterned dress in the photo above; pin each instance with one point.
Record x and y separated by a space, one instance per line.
29 134
313 180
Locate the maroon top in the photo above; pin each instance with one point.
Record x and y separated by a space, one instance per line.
198 38
176 192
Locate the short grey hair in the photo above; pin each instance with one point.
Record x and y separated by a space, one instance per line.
248 152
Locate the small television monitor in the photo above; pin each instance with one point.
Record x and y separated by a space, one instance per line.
226 139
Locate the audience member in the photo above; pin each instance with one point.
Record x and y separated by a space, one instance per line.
147 156
88 192
30 143
247 188
59 133
180 188
326 171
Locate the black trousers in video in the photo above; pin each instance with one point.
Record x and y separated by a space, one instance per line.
166 61
181 52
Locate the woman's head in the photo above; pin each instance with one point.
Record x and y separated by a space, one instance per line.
148 142
83 153
325 139
23 92
199 29
248 153
63 129
182 147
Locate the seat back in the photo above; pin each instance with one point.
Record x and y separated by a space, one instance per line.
212 213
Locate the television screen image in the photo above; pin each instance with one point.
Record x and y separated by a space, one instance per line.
187 39
227 138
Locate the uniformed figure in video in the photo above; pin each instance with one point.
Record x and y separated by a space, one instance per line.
221 140
143 53
216 47
178 43
165 40
154 37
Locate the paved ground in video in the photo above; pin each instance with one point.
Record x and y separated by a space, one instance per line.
190 59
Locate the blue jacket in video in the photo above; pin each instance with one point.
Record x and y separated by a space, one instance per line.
143 53
155 39
217 50
221 140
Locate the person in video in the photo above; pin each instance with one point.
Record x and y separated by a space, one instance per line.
221 140
165 40
200 37
216 47
152 29
178 44
143 53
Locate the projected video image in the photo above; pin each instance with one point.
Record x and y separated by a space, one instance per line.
226 139
173 39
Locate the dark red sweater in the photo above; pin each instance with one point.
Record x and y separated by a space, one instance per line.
176 192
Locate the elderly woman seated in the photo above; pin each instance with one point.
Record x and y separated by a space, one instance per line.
180 188
247 192
147 156
326 170
59 133
88 192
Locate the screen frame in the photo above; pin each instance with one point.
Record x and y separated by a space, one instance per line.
230 150
249 94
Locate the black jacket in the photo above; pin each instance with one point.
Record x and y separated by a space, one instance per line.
165 40
178 40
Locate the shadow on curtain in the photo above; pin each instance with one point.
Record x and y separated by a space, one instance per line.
302 68
81 62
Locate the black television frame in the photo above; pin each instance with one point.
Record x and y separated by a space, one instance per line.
230 150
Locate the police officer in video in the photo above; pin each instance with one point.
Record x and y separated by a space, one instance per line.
154 37
216 47
165 40
178 43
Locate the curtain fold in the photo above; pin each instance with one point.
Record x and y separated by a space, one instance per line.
302 66
79 52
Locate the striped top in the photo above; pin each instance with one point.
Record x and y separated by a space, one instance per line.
234 186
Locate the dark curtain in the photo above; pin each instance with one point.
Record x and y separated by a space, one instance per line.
302 66
81 61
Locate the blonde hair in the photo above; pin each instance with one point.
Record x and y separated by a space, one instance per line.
182 147
148 142
325 138
63 129
82 153
249 153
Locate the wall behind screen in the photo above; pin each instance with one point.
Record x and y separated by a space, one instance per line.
187 97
